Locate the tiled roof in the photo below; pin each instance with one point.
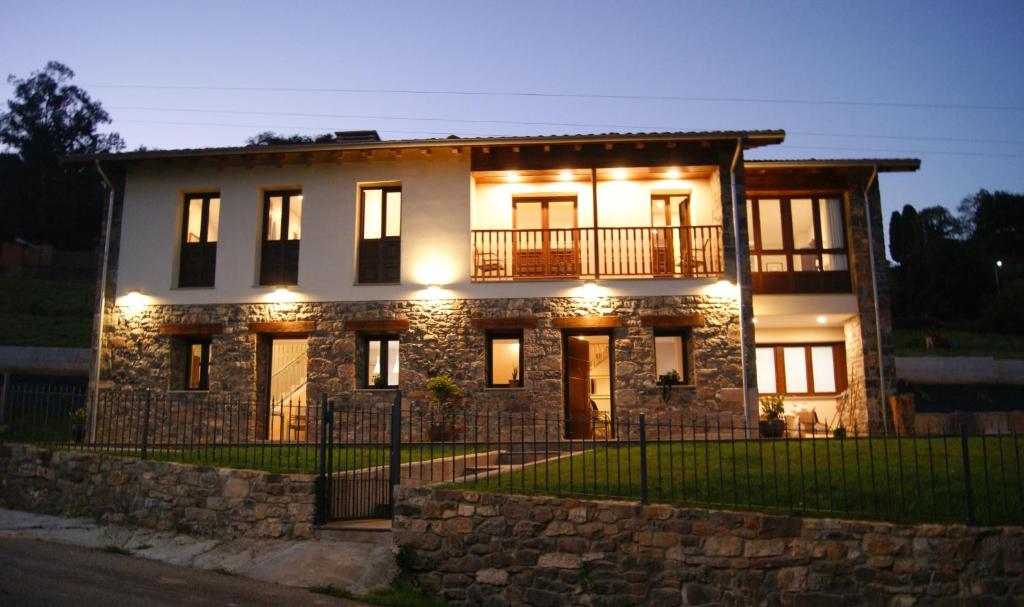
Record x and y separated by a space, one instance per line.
754 138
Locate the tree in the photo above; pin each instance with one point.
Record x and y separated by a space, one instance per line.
42 200
272 138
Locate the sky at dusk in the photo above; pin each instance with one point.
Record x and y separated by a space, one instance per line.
939 81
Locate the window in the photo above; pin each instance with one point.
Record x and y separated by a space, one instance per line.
801 369
672 353
798 244
546 240
505 359
380 238
196 367
282 230
381 362
199 228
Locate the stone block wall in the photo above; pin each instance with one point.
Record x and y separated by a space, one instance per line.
166 496
441 340
497 550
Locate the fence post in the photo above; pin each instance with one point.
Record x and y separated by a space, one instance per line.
968 487
395 465
5 388
321 477
145 424
643 459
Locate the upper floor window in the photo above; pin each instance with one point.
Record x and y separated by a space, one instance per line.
798 235
380 235
801 369
198 256
282 230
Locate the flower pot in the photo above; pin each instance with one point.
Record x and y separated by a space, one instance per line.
839 432
772 428
444 433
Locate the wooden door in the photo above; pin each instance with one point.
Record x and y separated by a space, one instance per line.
546 241
577 374
669 239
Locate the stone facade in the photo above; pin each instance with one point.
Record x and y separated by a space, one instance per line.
496 550
441 340
218 502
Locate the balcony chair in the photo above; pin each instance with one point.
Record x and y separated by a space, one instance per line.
487 263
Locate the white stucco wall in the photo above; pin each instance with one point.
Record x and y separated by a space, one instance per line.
438 199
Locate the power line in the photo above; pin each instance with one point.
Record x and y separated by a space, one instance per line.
463 134
780 100
540 123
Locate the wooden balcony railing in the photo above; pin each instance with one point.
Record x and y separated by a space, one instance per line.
636 252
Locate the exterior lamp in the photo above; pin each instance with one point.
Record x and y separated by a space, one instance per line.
673 174
999 264
723 288
565 176
821 319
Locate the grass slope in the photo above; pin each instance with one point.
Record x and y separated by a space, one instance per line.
45 313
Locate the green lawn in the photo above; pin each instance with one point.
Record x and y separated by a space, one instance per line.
901 480
910 342
45 313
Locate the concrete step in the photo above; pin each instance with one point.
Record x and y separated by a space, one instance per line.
370 531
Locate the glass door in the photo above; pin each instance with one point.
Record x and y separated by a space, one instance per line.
546 240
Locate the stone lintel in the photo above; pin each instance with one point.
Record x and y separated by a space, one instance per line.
283 326
194 329
389 325
677 321
588 322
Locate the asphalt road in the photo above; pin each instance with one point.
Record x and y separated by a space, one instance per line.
35 573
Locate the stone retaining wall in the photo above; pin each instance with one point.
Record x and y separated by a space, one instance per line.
496 550
167 496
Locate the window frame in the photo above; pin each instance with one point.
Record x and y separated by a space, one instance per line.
204 363
489 338
284 273
384 241
686 375
194 257
788 247
839 368
364 364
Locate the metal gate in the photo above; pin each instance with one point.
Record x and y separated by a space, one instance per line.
359 461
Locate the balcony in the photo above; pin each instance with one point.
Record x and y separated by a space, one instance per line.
602 252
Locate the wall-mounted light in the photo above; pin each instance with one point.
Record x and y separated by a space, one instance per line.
282 294
821 319
133 300
619 174
565 176
723 288
673 174
754 320
513 177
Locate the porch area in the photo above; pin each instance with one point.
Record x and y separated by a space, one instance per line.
586 224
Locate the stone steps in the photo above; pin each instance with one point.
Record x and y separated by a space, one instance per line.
371 531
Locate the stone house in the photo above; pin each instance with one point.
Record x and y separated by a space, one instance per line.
568 275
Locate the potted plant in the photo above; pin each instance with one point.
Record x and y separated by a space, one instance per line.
445 393
839 431
514 382
773 406
666 382
77 424
378 380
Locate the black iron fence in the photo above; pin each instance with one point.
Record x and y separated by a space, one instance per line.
361 453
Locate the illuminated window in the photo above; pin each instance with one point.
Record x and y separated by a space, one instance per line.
505 359
282 231
380 364
672 353
801 369
195 367
198 254
796 234
380 231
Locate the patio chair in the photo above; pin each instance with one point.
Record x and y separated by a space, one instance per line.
809 424
487 263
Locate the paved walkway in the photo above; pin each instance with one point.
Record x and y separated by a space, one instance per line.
35 573
353 561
